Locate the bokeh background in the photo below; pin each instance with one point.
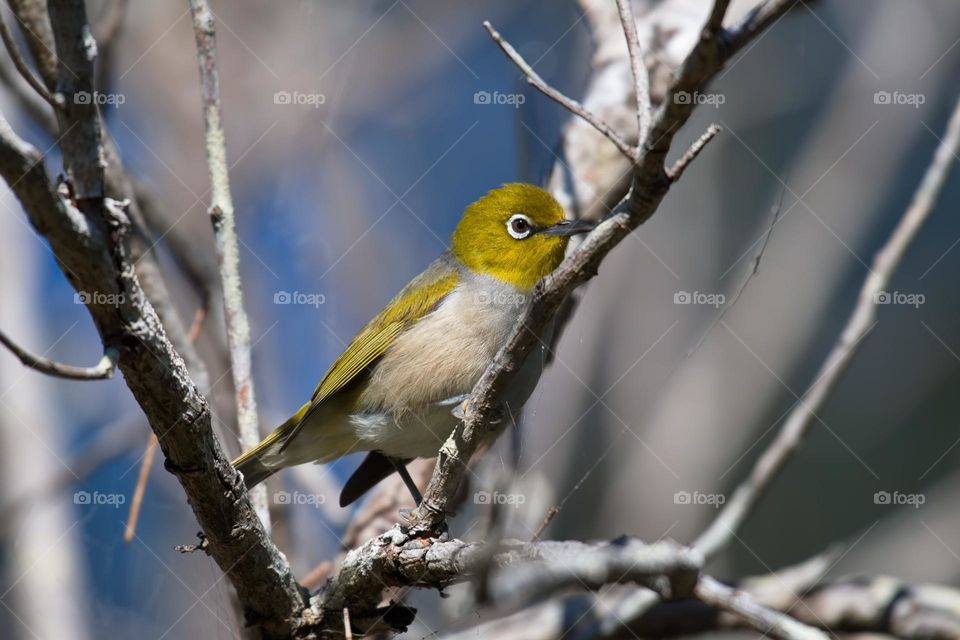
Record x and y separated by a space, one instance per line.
350 190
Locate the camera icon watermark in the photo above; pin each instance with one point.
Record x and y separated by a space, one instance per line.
99 298
299 99
498 498
500 298
102 99
714 500
899 98
299 298
715 300
512 99
696 98
895 498
898 297
298 497
96 498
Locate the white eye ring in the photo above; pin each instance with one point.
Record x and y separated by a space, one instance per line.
519 226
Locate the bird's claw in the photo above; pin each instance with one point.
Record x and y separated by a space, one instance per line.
496 414
409 518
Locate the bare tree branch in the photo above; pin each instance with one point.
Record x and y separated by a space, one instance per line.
766 621
524 571
676 170
568 103
80 128
715 21
90 244
35 23
859 325
130 530
27 99
856 604
21 64
225 236
91 250
32 17
641 80
103 369
667 568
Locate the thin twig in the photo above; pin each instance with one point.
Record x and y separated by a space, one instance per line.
130 530
199 317
33 17
347 631
641 79
568 103
754 271
765 620
678 167
715 21
858 326
547 519
31 105
22 66
102 370
203 545
315 577
225 235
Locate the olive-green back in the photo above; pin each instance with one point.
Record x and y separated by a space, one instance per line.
417 299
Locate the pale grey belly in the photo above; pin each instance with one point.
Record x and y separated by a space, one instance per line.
421 433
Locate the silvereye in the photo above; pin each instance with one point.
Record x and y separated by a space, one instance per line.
394 391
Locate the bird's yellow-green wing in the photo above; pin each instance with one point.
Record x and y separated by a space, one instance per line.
414 301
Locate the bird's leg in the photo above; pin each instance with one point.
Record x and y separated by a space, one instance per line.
401 469
457 404
410 515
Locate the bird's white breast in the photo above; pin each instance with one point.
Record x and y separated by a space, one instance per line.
440 357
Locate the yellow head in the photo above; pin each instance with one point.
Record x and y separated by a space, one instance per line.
516 233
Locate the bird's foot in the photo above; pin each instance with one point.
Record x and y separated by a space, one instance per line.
497 414
412 525
460 411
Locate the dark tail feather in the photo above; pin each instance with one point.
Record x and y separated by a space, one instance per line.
254 472
374 468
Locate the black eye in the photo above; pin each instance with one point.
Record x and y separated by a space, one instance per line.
519 226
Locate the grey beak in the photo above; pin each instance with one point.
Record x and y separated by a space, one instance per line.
569 228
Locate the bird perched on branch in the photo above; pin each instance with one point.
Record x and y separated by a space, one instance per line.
395 390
